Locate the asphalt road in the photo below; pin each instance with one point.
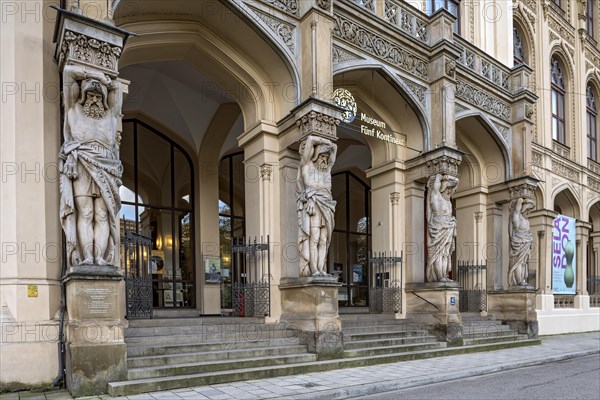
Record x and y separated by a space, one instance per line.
577 378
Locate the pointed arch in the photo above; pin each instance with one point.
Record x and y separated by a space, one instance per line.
566 202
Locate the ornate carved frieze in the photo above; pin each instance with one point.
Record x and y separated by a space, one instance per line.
525 190
339 55
594 167
593 184
380 47
443 165
483 100
89 51
564 170
561 150
564 30
395 198
282 29
315 122
484 66
536 158
289 6
592 54
266 170
460 108
504 131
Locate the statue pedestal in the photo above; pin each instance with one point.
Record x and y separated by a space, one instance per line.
436 304
516 306
96 352
310 306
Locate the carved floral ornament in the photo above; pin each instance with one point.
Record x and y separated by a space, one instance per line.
266 170
315 122
89 50
443 165
395 198
290 6
526 190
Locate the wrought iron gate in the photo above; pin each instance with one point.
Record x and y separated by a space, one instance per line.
251 277
472 280
138 275
385 288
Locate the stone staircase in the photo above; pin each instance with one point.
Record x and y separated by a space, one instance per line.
183 352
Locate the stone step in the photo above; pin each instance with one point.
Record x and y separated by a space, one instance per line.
215 355
158 322
379 335
495 339
375 351
173 329
220 365
386 328
174 382
480 335
358 344
208 338
150 350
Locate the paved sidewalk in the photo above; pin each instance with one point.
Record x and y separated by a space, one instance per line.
356 382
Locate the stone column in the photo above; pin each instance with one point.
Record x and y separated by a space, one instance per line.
414 246
87 53
309 297
493 249
582 299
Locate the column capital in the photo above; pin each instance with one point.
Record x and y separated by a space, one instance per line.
523 188
444 160
317 117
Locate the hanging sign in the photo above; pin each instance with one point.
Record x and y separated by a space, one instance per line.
563 255
366 124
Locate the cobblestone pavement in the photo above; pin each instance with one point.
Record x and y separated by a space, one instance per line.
356 382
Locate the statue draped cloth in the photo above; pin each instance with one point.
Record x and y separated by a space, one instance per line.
100 167
520 248
441 231
321 201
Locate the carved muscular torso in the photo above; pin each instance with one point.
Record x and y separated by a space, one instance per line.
84 128
314 178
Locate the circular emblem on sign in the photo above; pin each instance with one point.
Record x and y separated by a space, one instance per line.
345 100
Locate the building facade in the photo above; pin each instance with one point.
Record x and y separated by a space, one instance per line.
218 96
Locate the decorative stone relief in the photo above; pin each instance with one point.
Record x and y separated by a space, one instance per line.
450 67
482 100
324 4
556 182
395 198
562 30
441 227
525 190
460 108
315 122
266 170
289 6
593 184
536 158
89 51
521 240
380 47
399 16
504 131
443 165
284 30
418 91
564 170
89 165
528 111
339 55
315 204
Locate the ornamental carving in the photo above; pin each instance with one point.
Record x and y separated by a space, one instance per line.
525 190
89 51
395 198
593 184
444 165
339 55
266 170
536 159
289 6
450 67
562 30
564 170
483 100
528 111
283 30
400 17
324 4
504 131
417 91
380 47
315 122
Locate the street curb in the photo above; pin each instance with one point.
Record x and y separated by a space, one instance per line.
388 386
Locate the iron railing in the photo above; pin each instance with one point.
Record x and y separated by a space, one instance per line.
385 289
251 277
472 295
137 269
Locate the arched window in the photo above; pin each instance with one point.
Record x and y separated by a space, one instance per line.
157 202
518 50
592 127
558 102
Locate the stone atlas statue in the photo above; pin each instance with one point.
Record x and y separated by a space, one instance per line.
89 165
441 227
520 241
315 204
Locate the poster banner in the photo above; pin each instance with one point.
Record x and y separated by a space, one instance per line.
563 255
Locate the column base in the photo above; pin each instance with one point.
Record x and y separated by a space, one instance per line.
515 306
437 305
310 307
96 353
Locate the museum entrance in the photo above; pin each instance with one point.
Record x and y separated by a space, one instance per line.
157 205
351 239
